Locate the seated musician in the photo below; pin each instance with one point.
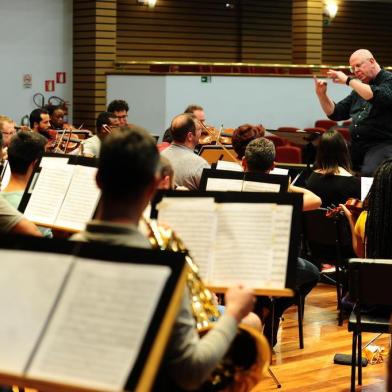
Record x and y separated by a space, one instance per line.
39 122
243 135
56 117
259 157
105 122
120 109
197 111
25 148
332 178
188 167
7 129
11 220
188 360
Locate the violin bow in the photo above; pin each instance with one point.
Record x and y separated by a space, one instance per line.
220 144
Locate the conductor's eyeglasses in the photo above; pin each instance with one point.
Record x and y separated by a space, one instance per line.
353 68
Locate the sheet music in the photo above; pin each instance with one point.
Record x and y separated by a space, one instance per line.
244 244
81 199
366 183
255 186
53 161
281 244
279 171
100 323
194 221
49 193
29 283
226 165
223 184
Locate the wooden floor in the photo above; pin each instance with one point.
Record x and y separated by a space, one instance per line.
312 368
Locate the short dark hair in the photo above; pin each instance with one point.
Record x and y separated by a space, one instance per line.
128 163
118 105
243 135
103 118
35 116
332 152
181 125
260 155
24 149
52 108
192 108
167 136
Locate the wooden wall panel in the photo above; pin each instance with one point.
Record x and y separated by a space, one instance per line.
204 30
94 53
358 25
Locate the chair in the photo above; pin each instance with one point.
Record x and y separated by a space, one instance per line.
278 141
288 129
346 123
344 132
369 283
288 154
328 240
326 124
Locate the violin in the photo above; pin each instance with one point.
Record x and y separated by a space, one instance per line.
355 206
211 135
61 141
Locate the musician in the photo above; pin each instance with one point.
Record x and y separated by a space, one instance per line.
197 111
120 108
188 360
7 129
371 233
332 178
188 167
369 107
104 123
259 158
39 121
56 117
11 220
243 135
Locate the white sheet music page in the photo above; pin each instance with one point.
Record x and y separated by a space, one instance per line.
227 165
48 195
279 171
99 325
223 184
281 244
29 283
81 200
366 184
194 221
256 186
244 245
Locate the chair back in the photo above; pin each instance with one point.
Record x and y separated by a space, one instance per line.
278 141
326 124
326 239
344 131
369 281
288 154
288 129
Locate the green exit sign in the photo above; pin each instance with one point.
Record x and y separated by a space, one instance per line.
205 79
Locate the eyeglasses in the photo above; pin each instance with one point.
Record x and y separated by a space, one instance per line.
357 66
122 117
8 133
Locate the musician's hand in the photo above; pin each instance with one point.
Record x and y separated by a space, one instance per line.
337 76
239 301
347 212
320 86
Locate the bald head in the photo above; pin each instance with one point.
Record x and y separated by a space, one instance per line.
363 65
181 125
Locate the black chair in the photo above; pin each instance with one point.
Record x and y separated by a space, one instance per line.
328 240
369 284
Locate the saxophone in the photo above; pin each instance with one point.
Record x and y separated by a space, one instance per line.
249 355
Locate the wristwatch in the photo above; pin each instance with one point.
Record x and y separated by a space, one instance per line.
349 79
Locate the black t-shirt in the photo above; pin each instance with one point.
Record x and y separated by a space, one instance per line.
334 189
